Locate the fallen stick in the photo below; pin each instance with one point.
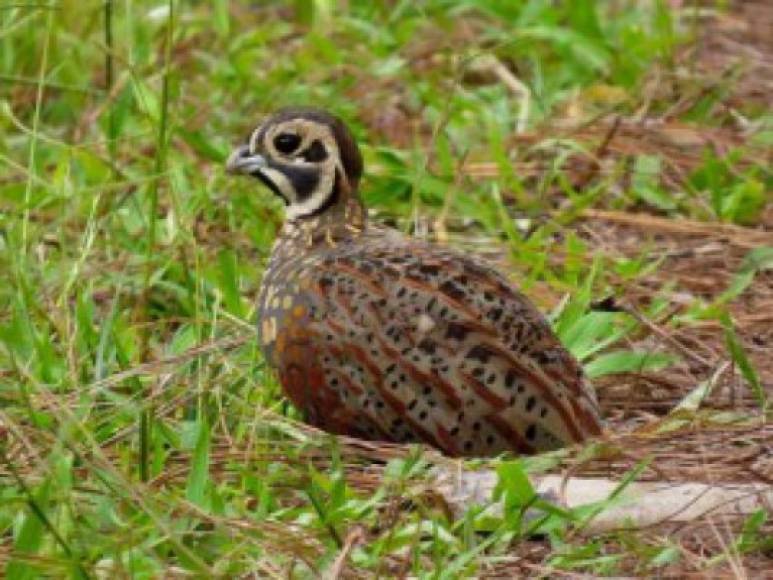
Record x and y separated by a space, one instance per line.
639 505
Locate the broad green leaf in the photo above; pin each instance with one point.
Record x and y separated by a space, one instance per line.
228 282
198 477
628 362
30 535
513 485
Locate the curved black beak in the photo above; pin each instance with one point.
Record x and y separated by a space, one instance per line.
241 161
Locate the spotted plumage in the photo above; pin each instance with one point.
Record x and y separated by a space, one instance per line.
385 337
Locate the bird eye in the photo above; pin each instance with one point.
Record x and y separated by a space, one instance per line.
287 142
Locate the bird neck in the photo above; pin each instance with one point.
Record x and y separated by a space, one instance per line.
342 217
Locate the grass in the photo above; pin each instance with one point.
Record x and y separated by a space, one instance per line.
141 434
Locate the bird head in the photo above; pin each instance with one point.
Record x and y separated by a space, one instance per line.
306 156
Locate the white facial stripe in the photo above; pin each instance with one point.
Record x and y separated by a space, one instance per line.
282 183
253 144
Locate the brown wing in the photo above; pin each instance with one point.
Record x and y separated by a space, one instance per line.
414 342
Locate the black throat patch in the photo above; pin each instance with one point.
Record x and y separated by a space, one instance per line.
303 179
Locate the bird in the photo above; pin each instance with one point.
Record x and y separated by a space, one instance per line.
380 336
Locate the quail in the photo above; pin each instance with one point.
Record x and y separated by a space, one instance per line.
380 336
